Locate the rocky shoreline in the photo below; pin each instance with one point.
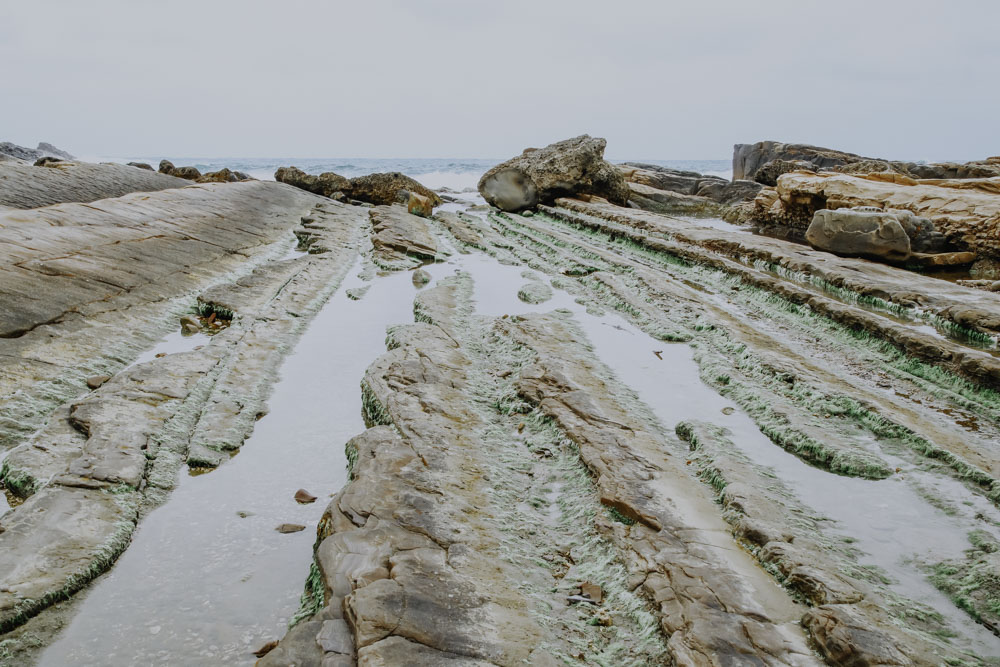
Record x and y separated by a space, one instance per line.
527 492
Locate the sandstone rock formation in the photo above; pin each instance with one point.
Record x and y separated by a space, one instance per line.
764 161
400 234
25 186
966 212
565 168
664 190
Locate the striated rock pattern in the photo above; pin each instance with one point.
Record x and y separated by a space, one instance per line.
539 175
764 161
399 235
26 186
103 458
326 184
663 190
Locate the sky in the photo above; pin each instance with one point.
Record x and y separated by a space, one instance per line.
660 79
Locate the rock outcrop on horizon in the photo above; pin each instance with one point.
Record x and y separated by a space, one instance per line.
540 175
10 150
380 189
764 161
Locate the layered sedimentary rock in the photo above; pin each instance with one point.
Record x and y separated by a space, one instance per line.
9 150
764 161
105 455
26 186
672 191
399 234
966 212
539 175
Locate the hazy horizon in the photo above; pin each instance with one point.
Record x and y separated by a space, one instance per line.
445 78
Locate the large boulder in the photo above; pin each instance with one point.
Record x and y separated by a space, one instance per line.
860 232
224 175
325 184
383 189
541 175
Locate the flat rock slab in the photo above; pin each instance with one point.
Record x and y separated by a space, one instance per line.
26 186
398 232
49 548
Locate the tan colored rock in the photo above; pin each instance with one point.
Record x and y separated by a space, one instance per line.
966 212
420 205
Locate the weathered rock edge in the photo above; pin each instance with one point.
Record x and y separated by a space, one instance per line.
116 452
710 247
714 604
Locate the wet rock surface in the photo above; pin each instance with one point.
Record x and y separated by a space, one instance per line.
607 436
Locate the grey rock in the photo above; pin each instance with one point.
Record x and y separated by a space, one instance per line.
571 167
23 186
859 233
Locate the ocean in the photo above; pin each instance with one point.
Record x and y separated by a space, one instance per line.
435 173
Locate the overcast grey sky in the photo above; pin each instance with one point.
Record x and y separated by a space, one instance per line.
461 78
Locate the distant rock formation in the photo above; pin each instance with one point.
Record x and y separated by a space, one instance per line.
381 189
764 161
9 150
540 175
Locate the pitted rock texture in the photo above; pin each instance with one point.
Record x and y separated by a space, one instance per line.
26 186
539 175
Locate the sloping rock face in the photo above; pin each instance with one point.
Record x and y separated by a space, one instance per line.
26 186
103 458
565 168
966 212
